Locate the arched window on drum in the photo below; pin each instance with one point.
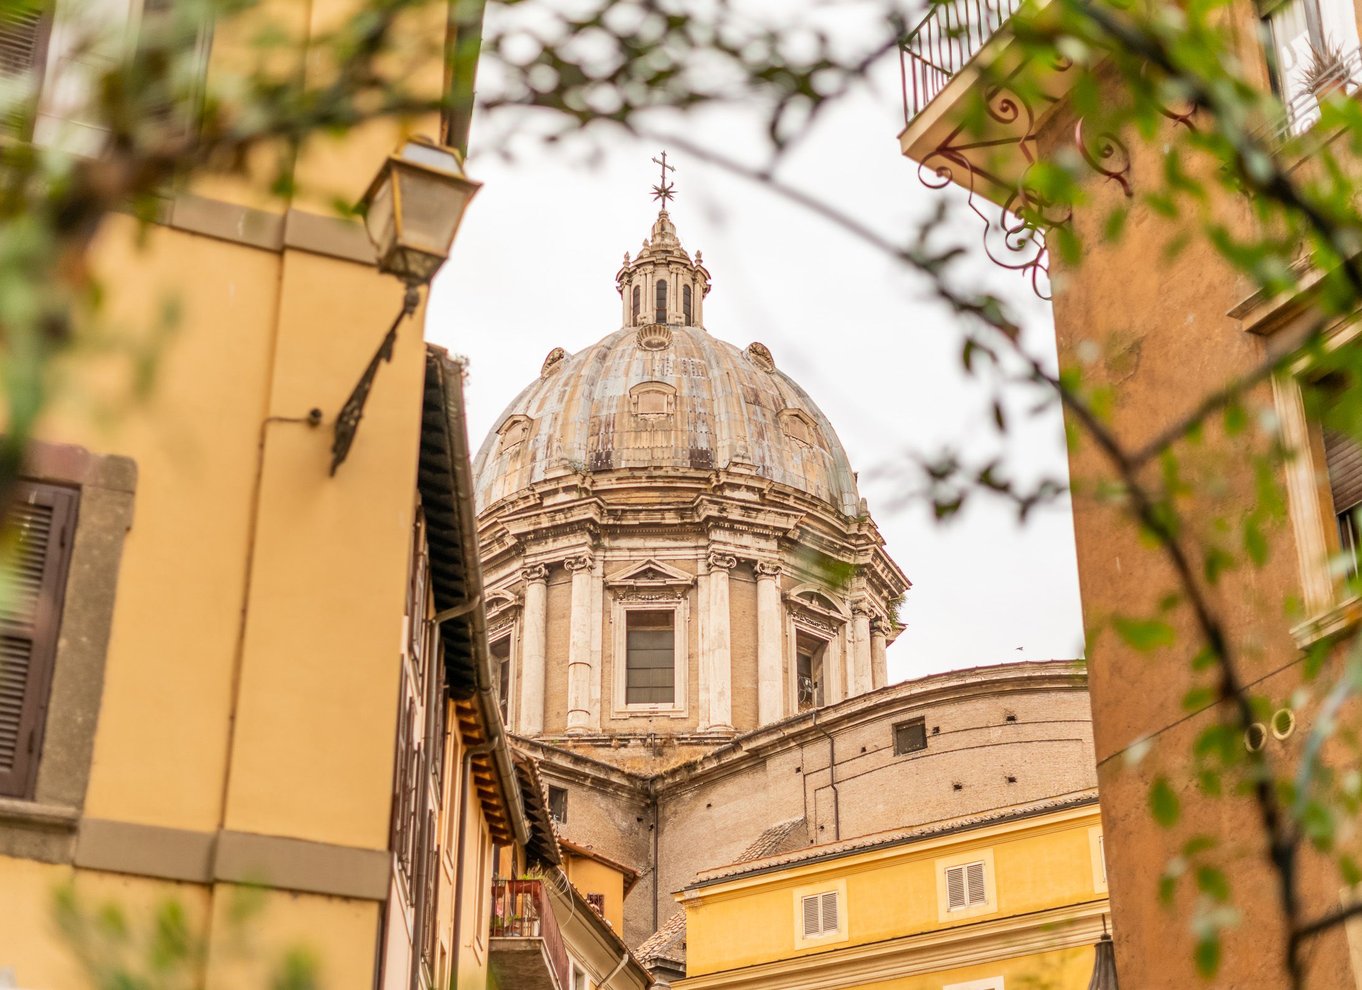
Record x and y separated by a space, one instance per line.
661 316
685 303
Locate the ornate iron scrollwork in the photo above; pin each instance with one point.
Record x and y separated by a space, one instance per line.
347 421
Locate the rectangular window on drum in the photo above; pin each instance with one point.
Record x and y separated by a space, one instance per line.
650 657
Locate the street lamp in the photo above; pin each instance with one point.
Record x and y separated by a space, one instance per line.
412 211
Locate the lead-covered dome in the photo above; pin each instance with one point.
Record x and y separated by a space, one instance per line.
665 397
662 393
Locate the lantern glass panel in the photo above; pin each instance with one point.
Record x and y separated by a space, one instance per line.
431 207
378 217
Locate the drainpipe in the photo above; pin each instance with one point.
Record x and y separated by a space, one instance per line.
605 983
832 781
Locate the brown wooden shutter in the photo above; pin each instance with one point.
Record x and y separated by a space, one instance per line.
1343 455
40 524
23 38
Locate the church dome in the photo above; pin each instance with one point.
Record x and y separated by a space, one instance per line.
666 397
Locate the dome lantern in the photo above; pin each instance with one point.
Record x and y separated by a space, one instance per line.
662 285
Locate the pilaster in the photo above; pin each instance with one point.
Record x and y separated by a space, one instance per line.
532 650
716 690
580 673
770 655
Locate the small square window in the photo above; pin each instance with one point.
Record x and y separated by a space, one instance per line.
558 804
820 913
965 886
910 736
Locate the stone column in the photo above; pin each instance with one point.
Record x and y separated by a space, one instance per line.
579 645
860 650
532 648
716 669
770 665
879 664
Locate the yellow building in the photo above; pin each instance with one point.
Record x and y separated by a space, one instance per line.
1011 900
229 664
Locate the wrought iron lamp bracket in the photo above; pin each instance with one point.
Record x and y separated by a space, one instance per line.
347 420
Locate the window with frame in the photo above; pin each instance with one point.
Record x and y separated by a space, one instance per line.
650 657
637 301
685 303
910 736
820 913
810 652
41 524
558 804
965 886
501 663
660 316
1312 50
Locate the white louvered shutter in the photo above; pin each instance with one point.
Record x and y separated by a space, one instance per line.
39 522
830 911
974 876
955 888
811 916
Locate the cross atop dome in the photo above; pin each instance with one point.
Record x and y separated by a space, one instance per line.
664 190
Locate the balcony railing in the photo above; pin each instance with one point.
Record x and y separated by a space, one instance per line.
527 947
941 45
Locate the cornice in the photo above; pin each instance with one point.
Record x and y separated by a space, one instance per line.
1064 927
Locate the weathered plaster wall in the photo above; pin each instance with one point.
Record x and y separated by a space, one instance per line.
1164 337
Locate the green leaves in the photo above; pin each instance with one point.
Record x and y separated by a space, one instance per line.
1163 803
1144 634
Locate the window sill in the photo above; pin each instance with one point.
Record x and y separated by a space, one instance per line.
33 815
643 711
1337 621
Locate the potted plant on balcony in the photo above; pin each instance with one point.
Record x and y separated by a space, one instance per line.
1325 72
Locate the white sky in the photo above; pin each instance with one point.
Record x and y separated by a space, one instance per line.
534 265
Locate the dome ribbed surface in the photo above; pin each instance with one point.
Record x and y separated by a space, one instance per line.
637 401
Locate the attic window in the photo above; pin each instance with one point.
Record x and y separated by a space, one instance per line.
819 914
558 804
965 886
910 736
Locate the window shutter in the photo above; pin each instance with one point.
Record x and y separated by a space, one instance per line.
40 519
811 919
23 38
830 911
975 876
955 888
1343 455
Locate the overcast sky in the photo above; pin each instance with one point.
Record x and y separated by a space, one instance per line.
534 266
